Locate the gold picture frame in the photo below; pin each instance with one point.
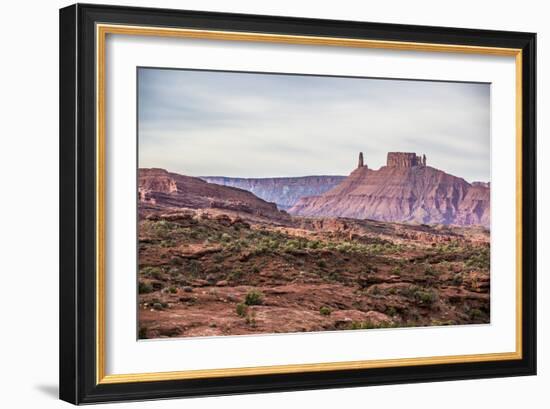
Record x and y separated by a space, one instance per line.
100 21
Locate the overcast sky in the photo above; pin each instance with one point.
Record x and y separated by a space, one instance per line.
205 123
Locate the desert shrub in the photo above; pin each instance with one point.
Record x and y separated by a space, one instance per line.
226 238
241 309
324 310
235 275
344 247
457 279
480 260
425 297
144 288
234 246
255 269
218 257
175 261
396 271
154 272
369 268
167 243
475 314
172 290
194 267
391 311
322 264
330 275
254 298
362 325
368 324
162 227
429 270
314 244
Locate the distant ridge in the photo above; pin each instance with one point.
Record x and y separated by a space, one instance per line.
283 191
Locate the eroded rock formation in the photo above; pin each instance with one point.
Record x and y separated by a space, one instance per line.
159 188
405 160
406 190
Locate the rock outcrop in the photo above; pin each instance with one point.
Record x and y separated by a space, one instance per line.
405 160
405 190
161 189
284 191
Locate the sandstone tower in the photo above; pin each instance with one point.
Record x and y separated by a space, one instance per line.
405 160
361 163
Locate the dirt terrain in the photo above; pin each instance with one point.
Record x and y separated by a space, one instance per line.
224 271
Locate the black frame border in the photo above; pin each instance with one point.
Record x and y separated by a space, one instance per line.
78 210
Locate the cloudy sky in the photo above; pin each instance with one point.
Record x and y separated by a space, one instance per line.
206 123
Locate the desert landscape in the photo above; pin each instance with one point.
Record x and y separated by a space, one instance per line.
405 245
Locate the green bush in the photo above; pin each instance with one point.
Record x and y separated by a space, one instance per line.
457 279
425 297
154 272
218 257
254 298
480 260
475 314
324 310
241 309
396 271
235 275
173 290
429 270
368 324
144 288
194 267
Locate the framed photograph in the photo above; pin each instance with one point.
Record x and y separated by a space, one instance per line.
257 203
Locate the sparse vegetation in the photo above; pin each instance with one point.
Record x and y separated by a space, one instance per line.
144 288
254 298
241 309
368 324
324 310
207 265
425 297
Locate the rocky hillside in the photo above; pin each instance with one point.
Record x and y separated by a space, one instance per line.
405 190
160 189
204 273
284 192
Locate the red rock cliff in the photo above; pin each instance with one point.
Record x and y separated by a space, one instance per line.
406 190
